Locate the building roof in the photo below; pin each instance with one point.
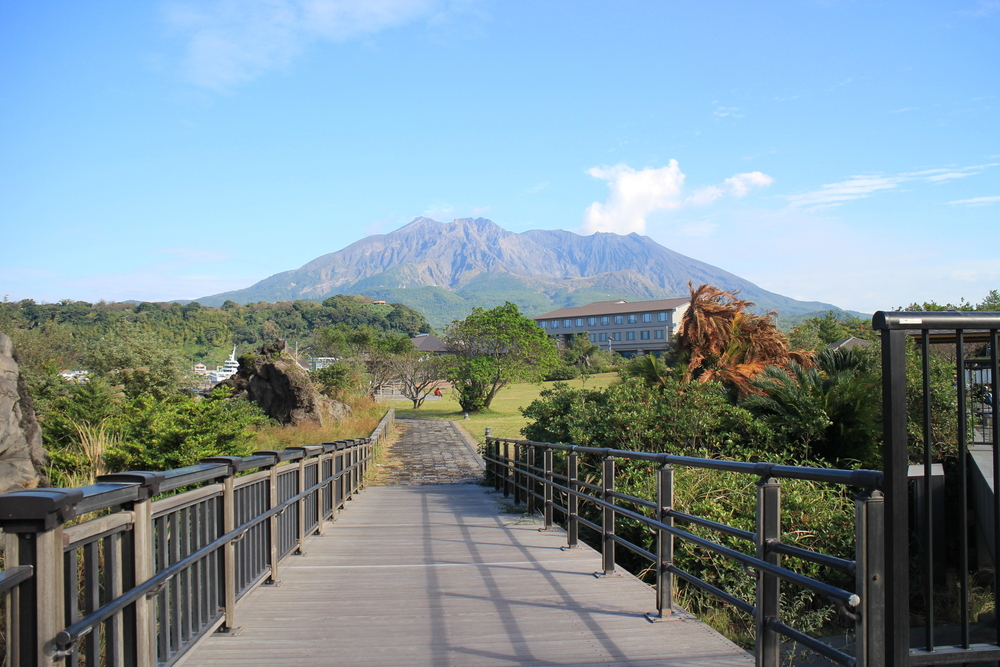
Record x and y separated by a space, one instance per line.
616 307
848 343
428 343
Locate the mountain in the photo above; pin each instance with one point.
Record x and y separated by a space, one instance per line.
444 269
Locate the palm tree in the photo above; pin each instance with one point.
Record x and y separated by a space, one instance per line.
726 342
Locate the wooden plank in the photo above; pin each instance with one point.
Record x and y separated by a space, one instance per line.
435 575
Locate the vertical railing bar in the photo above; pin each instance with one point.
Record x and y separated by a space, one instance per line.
506 469
608 523
664 541
113 586
300 525
928 551
995 427
186 592
896 630
91 596
768 644
198 591
71 581
963 482
547 493
518 479
572 501
531 487
162 624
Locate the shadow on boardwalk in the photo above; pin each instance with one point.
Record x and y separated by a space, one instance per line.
430 573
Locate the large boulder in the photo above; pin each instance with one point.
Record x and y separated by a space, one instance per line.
273 380
22 459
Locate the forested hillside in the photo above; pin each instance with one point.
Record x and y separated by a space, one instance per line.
64 331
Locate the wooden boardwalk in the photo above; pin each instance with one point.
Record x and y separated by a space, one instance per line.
436 575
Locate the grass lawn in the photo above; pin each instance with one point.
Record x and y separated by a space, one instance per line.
503 416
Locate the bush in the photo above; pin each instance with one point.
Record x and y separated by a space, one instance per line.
563 372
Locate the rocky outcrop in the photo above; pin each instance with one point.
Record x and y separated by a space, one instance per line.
274 381
22 459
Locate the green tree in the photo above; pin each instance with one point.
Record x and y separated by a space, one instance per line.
418 374
140 362
831 411
493 348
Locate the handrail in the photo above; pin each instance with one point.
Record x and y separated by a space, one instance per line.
296 490
513 465
83 626
866 479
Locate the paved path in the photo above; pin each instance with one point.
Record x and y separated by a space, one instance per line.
433 574
429 451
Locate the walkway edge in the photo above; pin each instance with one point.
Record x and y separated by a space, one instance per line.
469 441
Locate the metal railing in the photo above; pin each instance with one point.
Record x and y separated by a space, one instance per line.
931 553
152 573
514 468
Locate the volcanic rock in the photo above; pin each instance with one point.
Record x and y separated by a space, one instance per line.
273 380
22 459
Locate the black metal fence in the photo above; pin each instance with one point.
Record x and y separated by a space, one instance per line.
529 472
927 529
942 523
151 573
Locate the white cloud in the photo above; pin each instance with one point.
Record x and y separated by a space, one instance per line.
535 189
722 112
859 187
230 42
634 194
977 201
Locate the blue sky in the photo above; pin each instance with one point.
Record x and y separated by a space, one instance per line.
841 151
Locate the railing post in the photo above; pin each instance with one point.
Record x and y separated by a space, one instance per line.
506 469
870 578
547 491
529 482
664 542
572 502
143 559
34 521
518 479
768 643
300 530
338 473
272 502
608 524
229 551
896 536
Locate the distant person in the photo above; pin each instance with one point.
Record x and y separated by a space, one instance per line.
437 392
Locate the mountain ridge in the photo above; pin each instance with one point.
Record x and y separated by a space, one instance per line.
482 264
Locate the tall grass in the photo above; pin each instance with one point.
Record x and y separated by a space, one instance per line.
365 416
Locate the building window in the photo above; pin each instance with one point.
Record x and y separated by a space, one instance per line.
629 335
544 324
602 337
617 335
593 338
647 317
644 335
658 334
555 324
579 321
605 321
632 319
619 319
591 321
567 323
661 317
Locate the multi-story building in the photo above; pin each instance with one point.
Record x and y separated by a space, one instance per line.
642 327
